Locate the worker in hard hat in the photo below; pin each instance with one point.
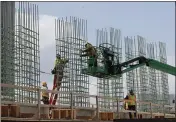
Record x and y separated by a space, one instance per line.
45 95
92 53
132 103
59 68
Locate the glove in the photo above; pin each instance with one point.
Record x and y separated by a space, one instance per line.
53 72
66 60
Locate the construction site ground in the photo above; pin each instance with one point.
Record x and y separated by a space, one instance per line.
115 120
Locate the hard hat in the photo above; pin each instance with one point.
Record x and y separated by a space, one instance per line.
87 44
44 83
131 91
58 55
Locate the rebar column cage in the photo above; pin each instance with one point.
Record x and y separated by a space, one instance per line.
71 36
137 79
152 76
20 52
162 77
146 82
110 87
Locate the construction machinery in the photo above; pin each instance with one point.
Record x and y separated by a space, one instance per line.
109 66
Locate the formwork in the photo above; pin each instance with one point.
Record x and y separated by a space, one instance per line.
71 36
110 87
20 50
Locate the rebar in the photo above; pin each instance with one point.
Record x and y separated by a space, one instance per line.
148 84
20 50
71 36
113 87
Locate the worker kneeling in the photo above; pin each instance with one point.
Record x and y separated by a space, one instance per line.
45 95
132 103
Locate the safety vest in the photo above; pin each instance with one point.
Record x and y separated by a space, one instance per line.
59 61
133 98
44 93
126 106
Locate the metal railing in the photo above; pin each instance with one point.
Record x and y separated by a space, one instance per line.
97 108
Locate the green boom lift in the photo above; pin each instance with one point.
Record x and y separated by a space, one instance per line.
111 68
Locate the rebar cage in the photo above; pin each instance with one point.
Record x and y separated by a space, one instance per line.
71 36
20 51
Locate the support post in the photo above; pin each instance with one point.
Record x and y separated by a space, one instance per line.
71 105
164 111
118 114
39 103
97 109
9 110
151 111
136 109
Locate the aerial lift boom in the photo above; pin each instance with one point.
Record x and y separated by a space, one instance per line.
111 68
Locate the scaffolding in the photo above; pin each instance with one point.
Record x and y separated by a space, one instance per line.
20 50
71 36
110 87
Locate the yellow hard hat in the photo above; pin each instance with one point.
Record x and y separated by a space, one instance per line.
44 83
87 44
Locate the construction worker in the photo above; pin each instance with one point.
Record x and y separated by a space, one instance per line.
132 103
91 52
45 95
59 69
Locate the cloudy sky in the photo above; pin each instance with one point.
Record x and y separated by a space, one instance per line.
153 20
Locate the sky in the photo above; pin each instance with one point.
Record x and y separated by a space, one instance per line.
155 21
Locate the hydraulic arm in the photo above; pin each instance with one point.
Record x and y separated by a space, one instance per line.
148 62
111 67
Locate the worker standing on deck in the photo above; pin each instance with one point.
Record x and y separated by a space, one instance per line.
59 69
45 95
91 52
132 103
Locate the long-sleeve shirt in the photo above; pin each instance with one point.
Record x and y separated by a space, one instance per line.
44 93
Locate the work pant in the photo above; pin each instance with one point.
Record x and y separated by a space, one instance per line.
90 63
133 108
45 100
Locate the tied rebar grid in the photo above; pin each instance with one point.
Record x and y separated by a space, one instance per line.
152 76
137 79
110 87
7 48
71 36
148 84
21 49
162 78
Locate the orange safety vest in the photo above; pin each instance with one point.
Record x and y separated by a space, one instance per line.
133 98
